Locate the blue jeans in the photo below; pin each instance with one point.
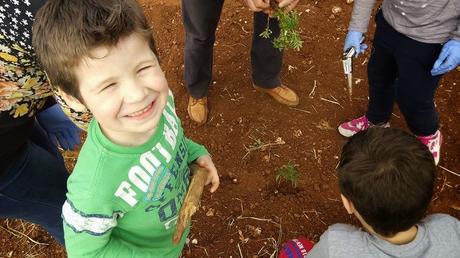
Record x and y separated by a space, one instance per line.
200 18
398 57
34 187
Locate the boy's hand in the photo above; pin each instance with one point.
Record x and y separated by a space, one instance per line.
213 178
448 59
59 128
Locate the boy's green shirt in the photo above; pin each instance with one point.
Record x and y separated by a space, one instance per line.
124 201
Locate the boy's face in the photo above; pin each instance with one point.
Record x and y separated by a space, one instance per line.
125 89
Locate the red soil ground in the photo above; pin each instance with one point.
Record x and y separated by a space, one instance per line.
251 137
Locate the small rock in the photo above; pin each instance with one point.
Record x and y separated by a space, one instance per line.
210 212
349 1
267 158
336 9
254 231
232 176
297 133
194 241
280 140
332 17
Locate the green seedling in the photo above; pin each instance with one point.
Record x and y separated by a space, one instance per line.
288 173
289 35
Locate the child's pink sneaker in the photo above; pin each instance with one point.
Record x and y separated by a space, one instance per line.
359 124
433 142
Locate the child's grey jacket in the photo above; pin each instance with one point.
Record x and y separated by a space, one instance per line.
428 21
438 236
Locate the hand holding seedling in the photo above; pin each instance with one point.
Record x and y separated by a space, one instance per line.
287 5
289 36
258 5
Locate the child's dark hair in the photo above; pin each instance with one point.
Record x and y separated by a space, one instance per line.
389 177
65 31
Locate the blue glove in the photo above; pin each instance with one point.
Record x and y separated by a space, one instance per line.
60 129
448 59
353 39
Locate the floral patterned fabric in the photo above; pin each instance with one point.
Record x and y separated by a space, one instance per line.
24 88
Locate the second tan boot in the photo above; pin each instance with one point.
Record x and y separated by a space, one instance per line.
198 110
282 94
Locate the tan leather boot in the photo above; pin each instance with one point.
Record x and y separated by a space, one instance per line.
198 110
282 94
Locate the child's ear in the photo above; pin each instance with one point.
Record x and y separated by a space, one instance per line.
347 204
71 101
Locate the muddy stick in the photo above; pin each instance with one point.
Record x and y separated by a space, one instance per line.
192 200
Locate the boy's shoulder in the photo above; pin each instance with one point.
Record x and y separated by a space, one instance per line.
90 162
345 234
342 240
440 218
440 225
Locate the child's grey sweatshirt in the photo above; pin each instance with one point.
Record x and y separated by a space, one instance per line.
428 21
438 236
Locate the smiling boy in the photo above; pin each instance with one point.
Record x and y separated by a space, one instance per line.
132 173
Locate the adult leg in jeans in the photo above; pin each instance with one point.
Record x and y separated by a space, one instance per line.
34 187
266 60
200 18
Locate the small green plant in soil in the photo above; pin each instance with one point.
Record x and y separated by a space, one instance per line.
289 174
289 35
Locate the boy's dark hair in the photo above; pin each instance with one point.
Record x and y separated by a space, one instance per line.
389 177
65 31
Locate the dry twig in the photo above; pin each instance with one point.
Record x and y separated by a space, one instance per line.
309 69
19 234
239 248
312 92
450 171
301 110
262 146
333 102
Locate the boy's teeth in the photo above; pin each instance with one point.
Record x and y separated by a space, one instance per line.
140 112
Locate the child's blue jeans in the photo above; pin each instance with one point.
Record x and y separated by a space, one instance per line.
34 188
396 56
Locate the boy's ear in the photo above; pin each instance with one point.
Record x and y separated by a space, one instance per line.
347 204
71 101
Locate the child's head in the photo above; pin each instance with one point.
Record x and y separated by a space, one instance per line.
102 53
387 177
